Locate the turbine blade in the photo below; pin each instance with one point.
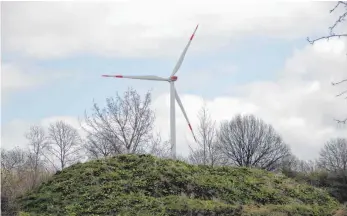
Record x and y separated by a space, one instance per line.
180 60
149 77
184 113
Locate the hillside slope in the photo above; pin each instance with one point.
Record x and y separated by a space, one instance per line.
146 185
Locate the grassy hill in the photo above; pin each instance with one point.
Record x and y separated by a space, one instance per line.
146 185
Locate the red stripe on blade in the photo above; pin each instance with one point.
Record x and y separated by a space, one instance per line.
191 37
119 76
190 127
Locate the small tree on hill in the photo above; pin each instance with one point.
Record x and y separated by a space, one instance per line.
333 156
13 178
124 126
97 146
64 144
248 141
37 146
207 152
158 147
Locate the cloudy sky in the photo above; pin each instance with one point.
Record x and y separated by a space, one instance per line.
247 57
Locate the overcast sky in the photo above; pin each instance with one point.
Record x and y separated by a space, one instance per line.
246 57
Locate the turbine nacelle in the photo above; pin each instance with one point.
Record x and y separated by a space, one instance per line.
173 78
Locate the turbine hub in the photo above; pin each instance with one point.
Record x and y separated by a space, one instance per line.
173 78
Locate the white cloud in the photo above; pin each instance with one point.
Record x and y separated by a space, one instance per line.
13 77
12 134
138 28
19 76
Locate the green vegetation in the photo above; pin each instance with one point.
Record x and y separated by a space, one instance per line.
146 185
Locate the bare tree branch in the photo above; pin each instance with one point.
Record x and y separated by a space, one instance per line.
338 3
341 17
332 34
325 37
345 80
336 23
341 121
342 93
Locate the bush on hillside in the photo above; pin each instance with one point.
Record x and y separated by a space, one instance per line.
333 182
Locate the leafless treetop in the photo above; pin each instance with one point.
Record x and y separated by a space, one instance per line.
333 156
248 141
64 143
125 123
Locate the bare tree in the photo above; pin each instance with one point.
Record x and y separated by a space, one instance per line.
292 163
333 156
13 162
37 145
16 172
196 156
14 181
248 141
64 144
341 19
207 152
8 163
159 148
126 122
97 146
306 166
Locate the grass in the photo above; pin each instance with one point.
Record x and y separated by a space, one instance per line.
146 185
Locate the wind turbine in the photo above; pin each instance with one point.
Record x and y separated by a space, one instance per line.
173 95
